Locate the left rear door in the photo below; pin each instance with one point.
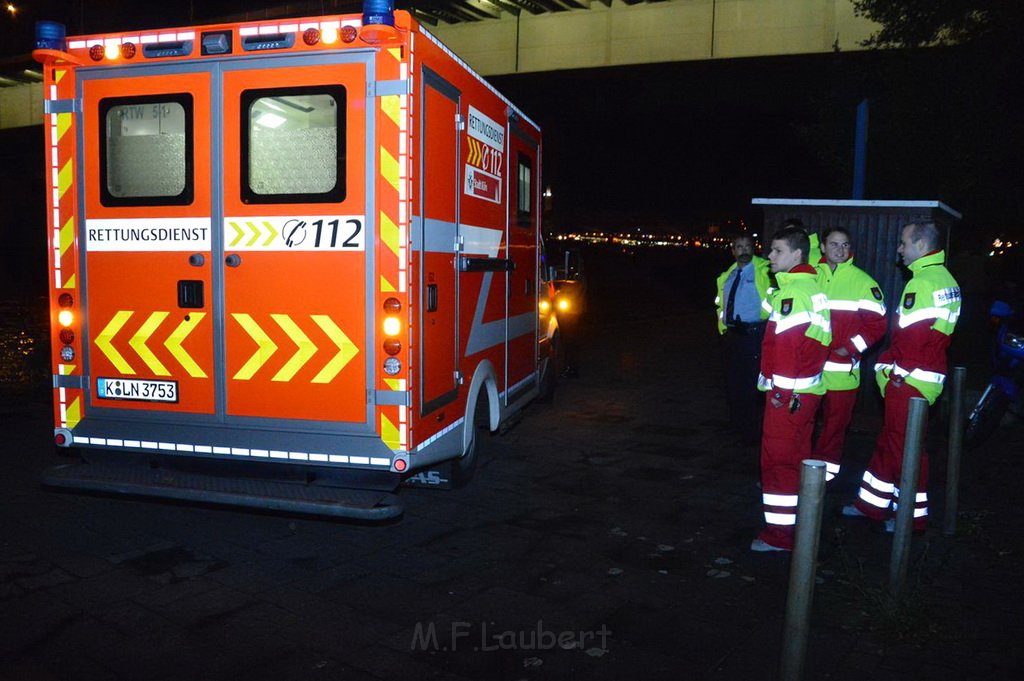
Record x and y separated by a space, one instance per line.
146 281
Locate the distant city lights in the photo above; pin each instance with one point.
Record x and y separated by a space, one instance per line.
1000 247
648 240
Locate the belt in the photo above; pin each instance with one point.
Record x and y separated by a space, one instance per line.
745 328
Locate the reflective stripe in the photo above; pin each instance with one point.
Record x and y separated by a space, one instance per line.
829 476
847 305
925 314
779 499
920 374
813 318
918 512
870 498
858 342
787 383
780 518
871 306
765 306
881 486
763 382
841 367
920 497
831 467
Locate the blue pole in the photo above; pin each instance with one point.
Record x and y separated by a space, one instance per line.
860 150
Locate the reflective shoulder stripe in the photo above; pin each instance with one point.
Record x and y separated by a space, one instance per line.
858 342
788 383
847 305
783 324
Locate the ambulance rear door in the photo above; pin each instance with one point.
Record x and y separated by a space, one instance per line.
227 255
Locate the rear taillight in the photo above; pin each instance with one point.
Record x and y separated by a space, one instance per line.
392 329
66 317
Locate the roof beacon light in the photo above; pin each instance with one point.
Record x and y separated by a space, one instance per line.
379 12
50 36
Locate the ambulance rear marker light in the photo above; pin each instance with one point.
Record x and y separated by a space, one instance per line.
112 50
392 346
67 353
392 306
96 52
67 336
392 326
311 36
348 34
65 300
392 366
400 465
65 317
128 50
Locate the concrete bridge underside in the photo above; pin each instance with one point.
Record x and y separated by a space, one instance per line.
620 33
597 33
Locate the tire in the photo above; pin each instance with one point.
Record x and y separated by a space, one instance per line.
464 467
985 417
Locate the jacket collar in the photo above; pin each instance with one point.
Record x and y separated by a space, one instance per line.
933 258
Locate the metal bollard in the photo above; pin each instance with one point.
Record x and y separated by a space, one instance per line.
956 446
801 569
908 492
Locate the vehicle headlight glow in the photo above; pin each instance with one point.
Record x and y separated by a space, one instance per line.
1014 341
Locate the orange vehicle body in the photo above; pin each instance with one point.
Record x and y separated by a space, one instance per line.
307 242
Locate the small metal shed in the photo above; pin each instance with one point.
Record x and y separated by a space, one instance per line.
875 229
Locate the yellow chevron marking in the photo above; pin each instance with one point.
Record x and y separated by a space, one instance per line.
107 335
138 343
67 235
64 177
389 168
59 75
74 412
306 348
393 383
70 283
346 349
385 286
266 347
273 233
389 433
395 52
67 369
471 151
239 234
177 337
64 121
389 232
255 234
391 105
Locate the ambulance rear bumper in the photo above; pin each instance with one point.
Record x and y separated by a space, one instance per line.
141 479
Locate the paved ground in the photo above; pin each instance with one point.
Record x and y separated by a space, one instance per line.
605 537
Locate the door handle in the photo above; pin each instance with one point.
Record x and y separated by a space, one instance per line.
233 260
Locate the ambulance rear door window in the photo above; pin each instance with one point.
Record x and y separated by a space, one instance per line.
146 150
293 145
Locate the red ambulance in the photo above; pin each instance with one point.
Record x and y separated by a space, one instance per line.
291 261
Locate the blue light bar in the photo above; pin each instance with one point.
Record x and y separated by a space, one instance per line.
50 36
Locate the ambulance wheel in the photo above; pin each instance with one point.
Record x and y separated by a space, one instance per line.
464 467
549 379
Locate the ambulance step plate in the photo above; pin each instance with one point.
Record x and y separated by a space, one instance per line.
142 480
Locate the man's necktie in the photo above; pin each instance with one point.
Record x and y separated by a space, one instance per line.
730 305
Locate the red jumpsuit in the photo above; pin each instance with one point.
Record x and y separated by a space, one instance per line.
795 347
913 366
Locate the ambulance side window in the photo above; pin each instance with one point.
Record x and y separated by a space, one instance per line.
293 145
146 150
524 201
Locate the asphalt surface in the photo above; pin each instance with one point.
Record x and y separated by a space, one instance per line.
605 537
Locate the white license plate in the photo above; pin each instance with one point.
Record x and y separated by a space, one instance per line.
136 389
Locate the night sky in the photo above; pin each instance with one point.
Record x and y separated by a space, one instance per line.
676 146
